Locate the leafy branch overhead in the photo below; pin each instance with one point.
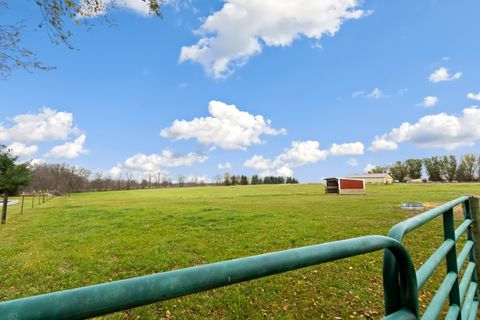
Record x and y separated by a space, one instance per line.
58 17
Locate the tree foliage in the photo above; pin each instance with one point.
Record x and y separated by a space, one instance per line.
414 168
399 171
448 167
467 169
58 17
379 169
433 166
12 176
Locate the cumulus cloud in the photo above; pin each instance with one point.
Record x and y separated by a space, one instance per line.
300 153
36 161
442 74
352 162
474 96
140 166
69 150
368 167
354 148
227 128
154 162
440 130
19 149
115 172
230 36
382 143
430 101
47 125
224 166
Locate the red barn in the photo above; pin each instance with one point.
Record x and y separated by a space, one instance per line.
344 186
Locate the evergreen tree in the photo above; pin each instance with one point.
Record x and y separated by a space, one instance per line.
244 180
227 179
12 176
255 179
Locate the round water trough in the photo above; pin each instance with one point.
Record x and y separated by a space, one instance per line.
412 205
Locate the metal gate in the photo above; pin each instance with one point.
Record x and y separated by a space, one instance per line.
401 280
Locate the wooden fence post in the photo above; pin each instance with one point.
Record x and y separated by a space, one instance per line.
4 208
475 209
23 200
33 198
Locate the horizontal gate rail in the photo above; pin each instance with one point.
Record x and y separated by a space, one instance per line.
462 295
401 281
124 294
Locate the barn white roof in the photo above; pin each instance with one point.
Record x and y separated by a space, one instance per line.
369 175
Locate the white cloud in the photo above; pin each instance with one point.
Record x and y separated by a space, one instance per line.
258 163
376 94
69 150
300 153
47 125
369 167
359 93
354 148
115 172
474 96
224 166
382 143
227 128
154 162
352 162
36 161
19 149
429 101
440 130
442 74
230 36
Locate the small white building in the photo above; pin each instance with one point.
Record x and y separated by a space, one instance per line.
373 178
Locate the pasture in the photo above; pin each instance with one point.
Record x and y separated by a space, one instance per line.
91 238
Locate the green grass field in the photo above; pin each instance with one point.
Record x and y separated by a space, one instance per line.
97 237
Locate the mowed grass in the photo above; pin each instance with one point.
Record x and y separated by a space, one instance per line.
92 238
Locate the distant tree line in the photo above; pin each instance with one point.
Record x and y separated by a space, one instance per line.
65 179
232 180
438 168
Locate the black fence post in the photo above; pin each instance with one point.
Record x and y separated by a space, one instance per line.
4 208
23 200
33 198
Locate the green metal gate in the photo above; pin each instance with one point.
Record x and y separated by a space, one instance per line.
401 281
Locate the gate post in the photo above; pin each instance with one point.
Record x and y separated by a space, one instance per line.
475 209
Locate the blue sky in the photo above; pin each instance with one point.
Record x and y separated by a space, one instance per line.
312 75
